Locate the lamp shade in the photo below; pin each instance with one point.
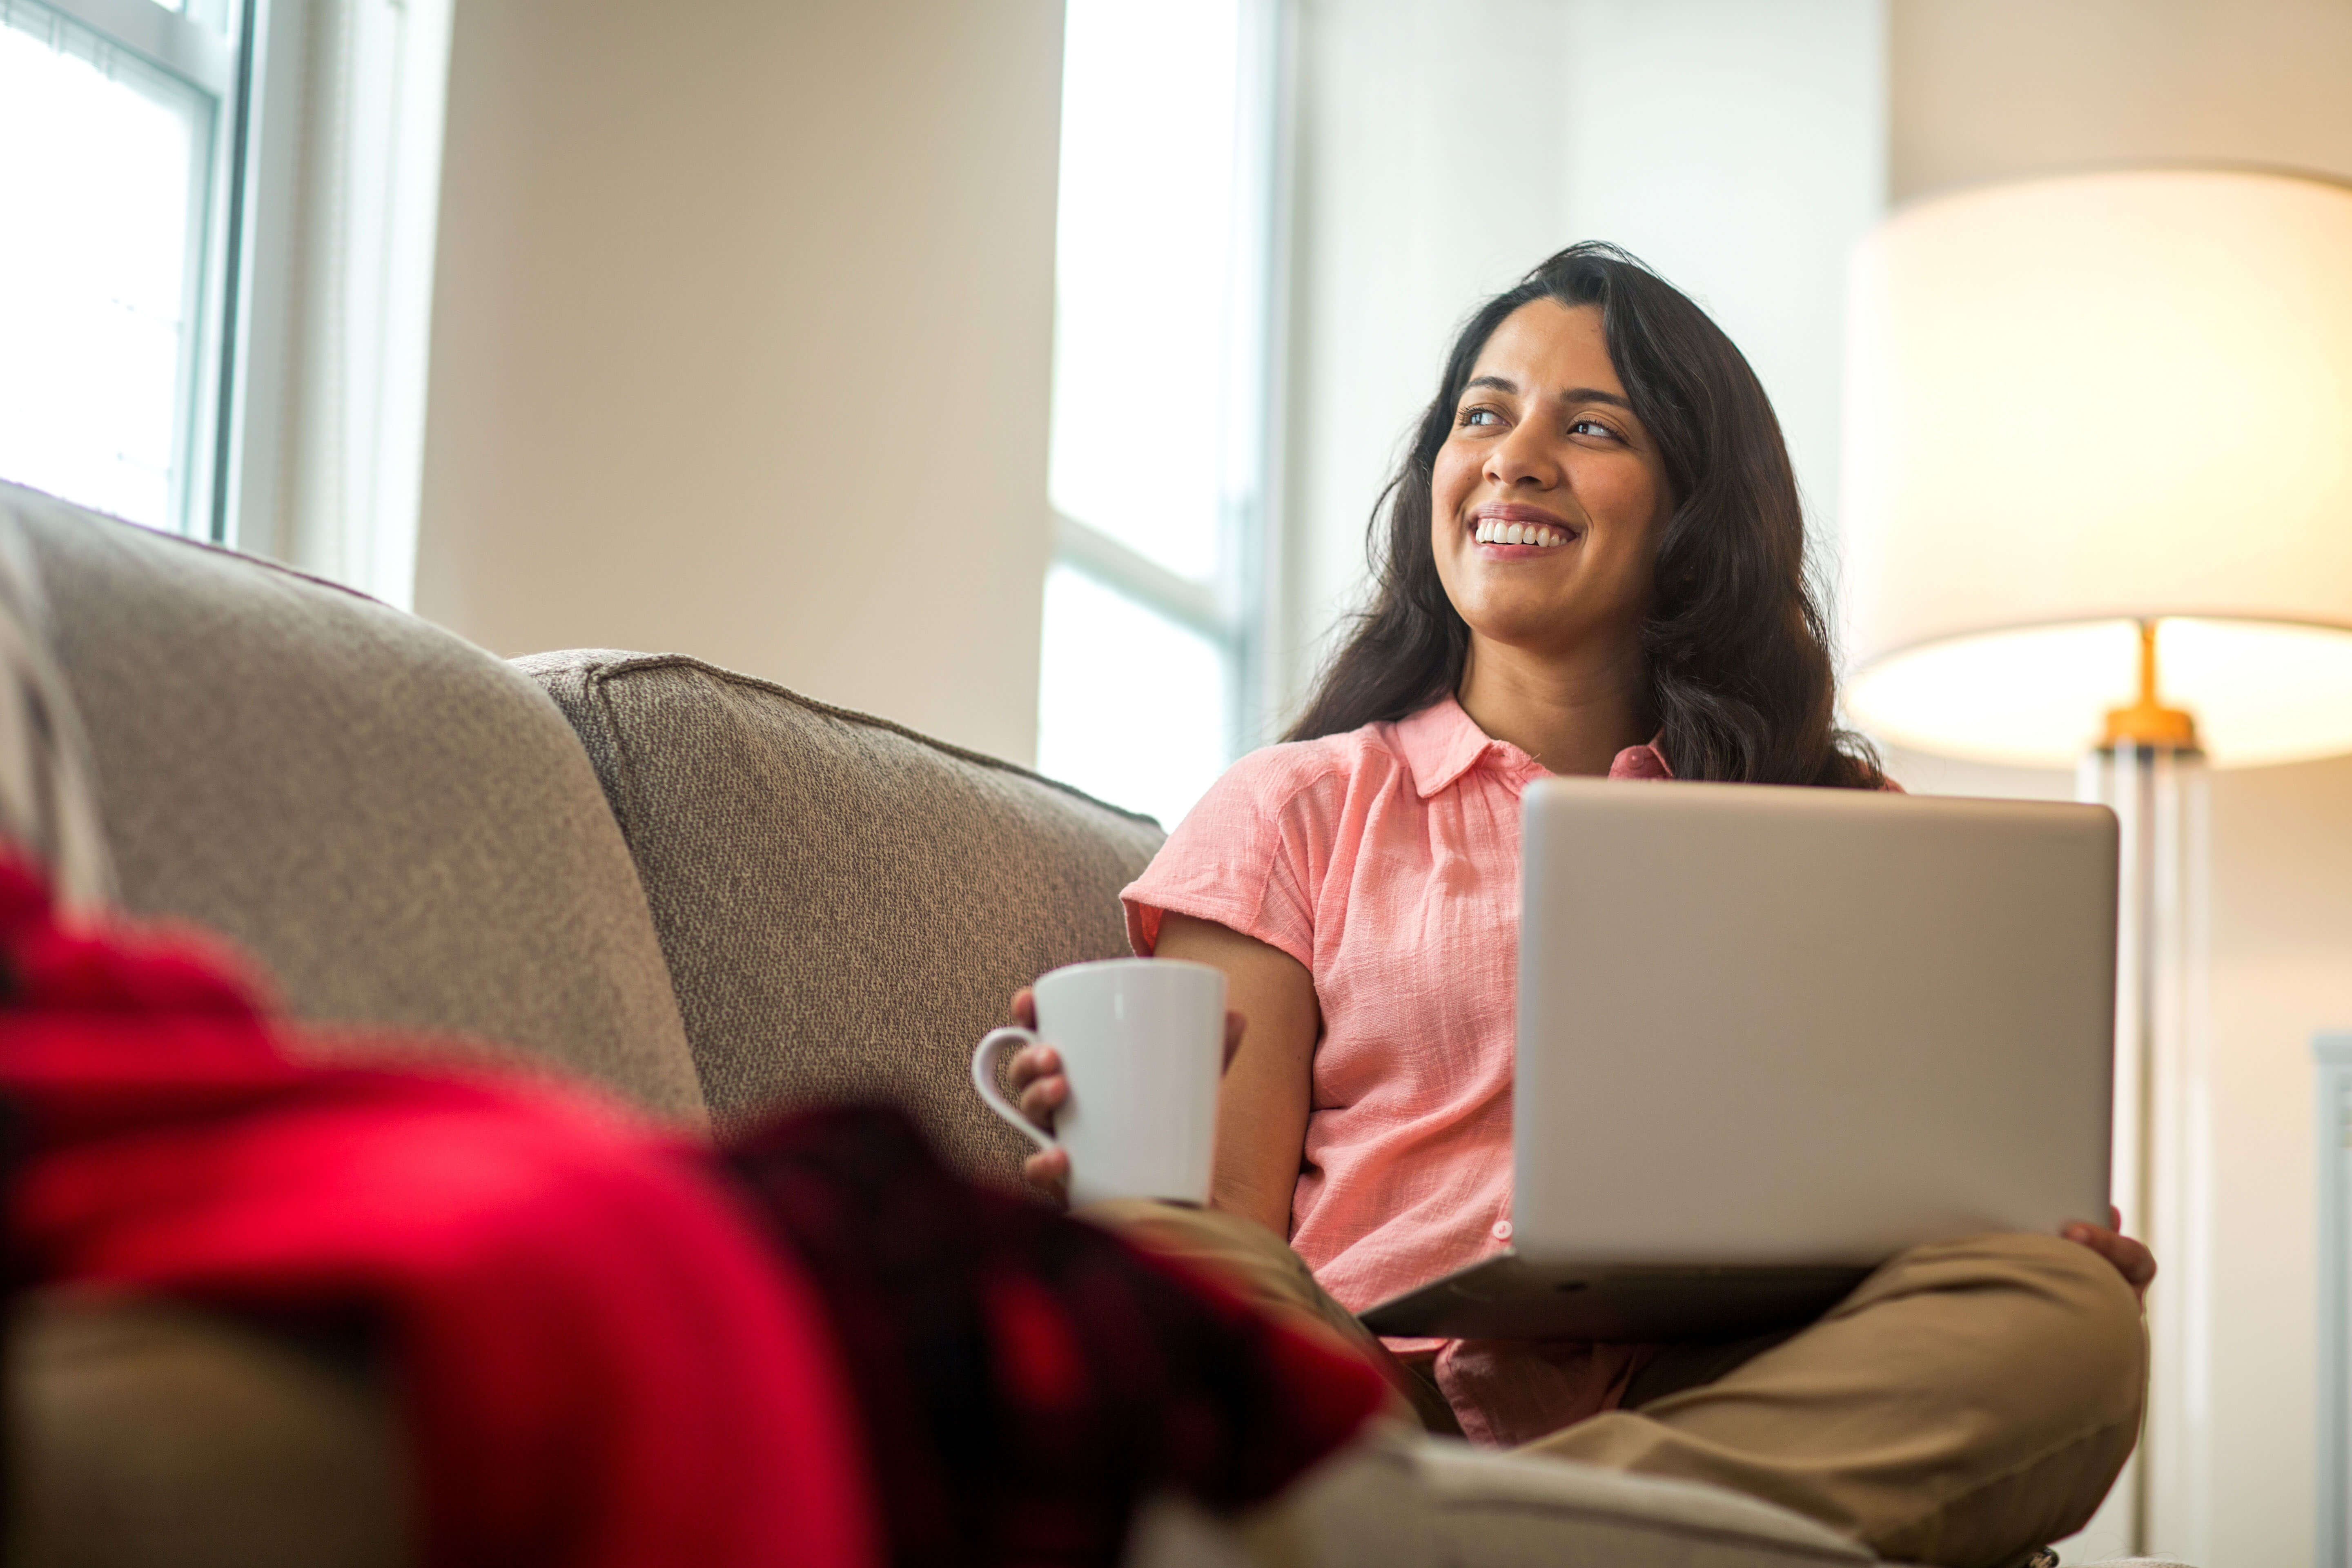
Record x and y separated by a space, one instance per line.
2076 404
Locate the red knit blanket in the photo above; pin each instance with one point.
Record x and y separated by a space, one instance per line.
613 1348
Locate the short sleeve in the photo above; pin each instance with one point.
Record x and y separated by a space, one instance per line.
1241 858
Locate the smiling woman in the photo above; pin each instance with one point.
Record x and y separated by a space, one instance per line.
1593 562
1595 400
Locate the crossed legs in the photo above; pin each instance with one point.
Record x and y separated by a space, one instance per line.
1972 1401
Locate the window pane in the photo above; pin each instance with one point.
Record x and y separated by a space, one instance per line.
1131 707
1145 246
104 165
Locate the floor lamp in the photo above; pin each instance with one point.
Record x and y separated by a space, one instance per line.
2098 512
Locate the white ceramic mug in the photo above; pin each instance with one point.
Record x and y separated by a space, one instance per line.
1142 1042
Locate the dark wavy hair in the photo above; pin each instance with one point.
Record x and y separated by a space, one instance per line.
1739 659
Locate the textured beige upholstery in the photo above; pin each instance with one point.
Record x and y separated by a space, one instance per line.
399 828
142 1431
845 906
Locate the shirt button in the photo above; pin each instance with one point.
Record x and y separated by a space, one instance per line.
1502 1230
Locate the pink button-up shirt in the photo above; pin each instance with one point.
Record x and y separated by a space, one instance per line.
1387 861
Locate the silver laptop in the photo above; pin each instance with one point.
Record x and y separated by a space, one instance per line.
1769 1037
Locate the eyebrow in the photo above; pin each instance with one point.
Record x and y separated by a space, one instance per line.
1573 394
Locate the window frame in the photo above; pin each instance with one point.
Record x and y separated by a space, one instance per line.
1234 609
215 60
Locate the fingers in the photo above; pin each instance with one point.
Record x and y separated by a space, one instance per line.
1042 1097
2136 1262
2131 1259
1031 1063
1038 1086
1048 1170
1036 1073
1035 1070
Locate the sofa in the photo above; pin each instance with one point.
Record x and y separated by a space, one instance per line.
712 897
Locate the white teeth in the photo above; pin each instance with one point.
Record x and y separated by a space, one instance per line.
1490 531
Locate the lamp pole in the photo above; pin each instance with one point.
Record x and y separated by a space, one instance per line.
2150 769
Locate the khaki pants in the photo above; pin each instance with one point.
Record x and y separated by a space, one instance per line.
1972 1401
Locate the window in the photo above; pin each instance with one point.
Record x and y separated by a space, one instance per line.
1164 276
119 123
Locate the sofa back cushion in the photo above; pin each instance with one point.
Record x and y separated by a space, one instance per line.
399 828
847 906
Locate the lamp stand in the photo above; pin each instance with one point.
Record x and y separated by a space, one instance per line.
2149 770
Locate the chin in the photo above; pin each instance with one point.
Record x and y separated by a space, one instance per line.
1523 629
1511 616
1555 626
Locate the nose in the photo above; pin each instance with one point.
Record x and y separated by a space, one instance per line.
1523 457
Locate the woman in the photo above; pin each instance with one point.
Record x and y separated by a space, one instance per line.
1593 563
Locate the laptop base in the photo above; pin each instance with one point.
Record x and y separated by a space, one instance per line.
1509 1298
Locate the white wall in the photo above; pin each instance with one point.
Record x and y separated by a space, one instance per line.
1446 146
740 345
1995 89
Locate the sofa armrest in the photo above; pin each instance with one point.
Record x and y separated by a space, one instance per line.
141 1433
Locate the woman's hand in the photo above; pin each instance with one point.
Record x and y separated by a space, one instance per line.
1040 1088
2132 1260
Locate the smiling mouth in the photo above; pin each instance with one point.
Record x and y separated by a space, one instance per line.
1491 531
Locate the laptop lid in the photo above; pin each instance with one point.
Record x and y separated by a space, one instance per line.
1781 1026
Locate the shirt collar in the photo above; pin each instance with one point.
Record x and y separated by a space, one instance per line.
1441 742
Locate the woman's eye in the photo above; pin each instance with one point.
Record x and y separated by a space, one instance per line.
1480 417
1593 427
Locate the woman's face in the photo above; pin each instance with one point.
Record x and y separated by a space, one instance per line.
1548 497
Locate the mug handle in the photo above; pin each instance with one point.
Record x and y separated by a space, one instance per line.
983 1079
